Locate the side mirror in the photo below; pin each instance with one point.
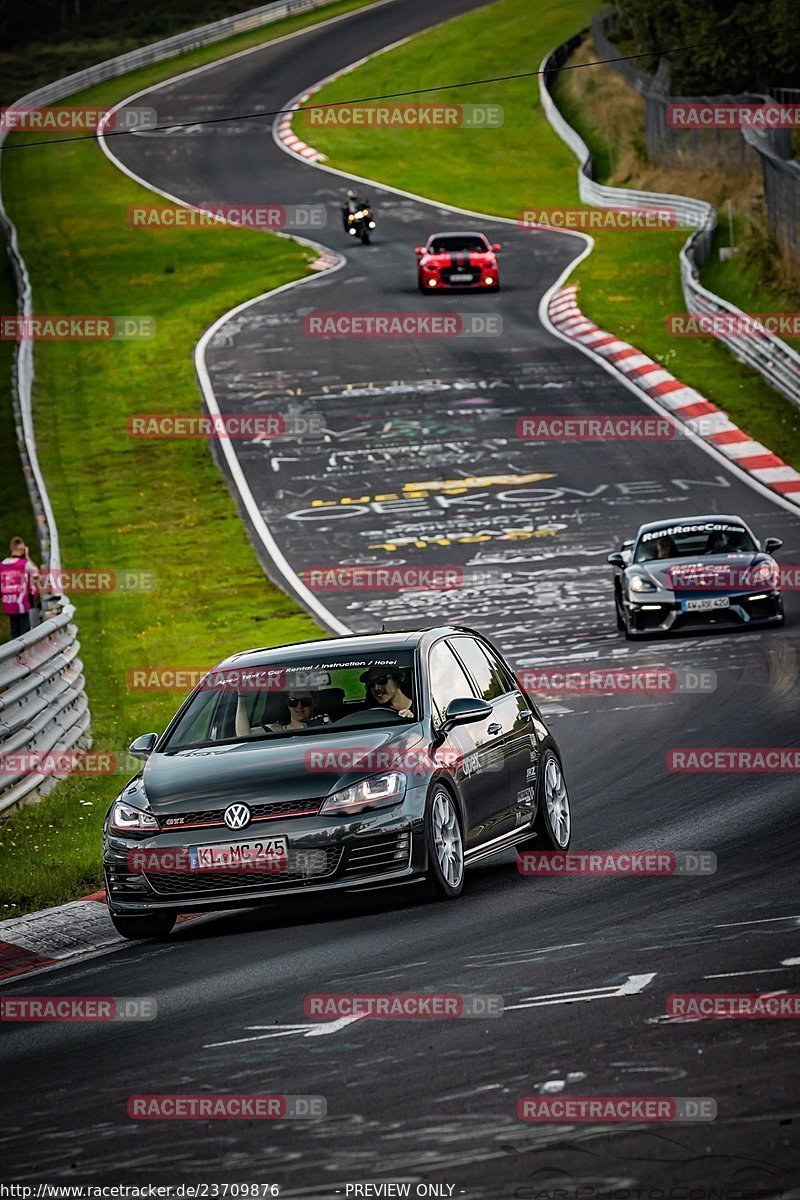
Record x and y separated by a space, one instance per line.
464 711
772 544
143 746
616 559
496 246
419 250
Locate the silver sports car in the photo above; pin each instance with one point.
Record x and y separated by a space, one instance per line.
695 573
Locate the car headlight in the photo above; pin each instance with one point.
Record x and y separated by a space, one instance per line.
375 792
765 573
127 819
640 583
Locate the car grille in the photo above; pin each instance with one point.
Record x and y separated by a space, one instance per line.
318 863
216 816
379 853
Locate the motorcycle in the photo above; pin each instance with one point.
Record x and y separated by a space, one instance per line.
360 223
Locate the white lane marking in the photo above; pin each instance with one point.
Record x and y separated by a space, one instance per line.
760 921
632 986
790 962
736 974
530 950
306 1029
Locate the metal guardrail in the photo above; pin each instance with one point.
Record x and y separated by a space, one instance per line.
43 703
776 362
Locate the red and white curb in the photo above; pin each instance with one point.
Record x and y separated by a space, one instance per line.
53 935
289 139
58 936
684 403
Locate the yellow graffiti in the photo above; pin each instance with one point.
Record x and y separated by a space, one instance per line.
423 543
450 487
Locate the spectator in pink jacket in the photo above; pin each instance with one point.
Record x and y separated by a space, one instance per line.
18 587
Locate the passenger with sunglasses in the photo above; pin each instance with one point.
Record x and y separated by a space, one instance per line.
384 689
303 709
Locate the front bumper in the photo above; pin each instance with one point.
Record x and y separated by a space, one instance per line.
661 614
374 849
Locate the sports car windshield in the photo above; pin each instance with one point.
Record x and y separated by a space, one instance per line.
693 541
312 697
455 243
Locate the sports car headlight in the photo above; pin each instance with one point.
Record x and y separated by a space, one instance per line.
640 583
764 574
127 819
375 792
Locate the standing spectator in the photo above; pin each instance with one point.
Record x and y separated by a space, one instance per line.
18 587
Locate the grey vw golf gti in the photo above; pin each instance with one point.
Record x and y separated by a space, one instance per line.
358 762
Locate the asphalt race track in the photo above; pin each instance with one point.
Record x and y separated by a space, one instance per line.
435 1101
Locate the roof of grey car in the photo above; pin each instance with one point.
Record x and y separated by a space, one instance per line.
362 643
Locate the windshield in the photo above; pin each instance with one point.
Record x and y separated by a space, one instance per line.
313 696
453 243
693 541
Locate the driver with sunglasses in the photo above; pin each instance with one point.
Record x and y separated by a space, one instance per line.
384 690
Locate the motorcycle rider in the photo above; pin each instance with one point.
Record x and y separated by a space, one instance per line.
352 204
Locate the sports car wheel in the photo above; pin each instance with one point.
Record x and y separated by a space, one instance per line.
552 824
445 846
620 618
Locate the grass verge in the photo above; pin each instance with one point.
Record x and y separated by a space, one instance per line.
631 282
120 503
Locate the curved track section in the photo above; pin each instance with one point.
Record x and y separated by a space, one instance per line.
421 464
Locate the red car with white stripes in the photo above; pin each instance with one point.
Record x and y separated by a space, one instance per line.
452 261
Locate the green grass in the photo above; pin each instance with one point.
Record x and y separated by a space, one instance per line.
121 503
631 282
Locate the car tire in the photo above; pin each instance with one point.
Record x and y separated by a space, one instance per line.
147 927
420 285
445 845
551 832
620 619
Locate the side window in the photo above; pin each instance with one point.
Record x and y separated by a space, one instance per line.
510 681
447 678
489 680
